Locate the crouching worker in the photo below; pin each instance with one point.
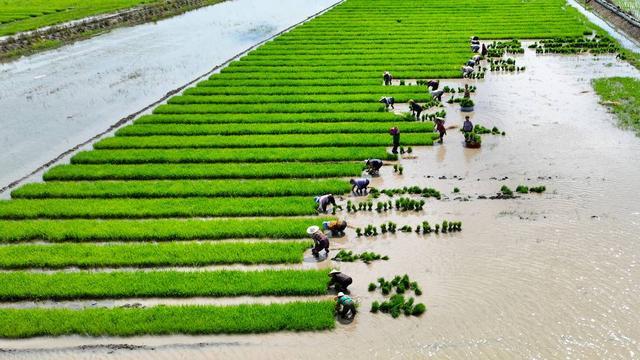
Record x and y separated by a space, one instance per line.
359 186
339 281
387 101
387 78
467 71
324 201
415 108
336 227
437 94
373 166
345 306
433 84
320 240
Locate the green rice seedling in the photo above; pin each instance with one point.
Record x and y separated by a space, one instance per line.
437 228
417 229
538 189
201 171
369 205
409 149
456 190
166 320
180 188
400 169
250 155
267 108
97 285
506 191
406 229
383 228
154 208
257 141
418 309
522 189
154 230
272 118
57 256
392 227
353 127
372 287
426 227
375 307
358 232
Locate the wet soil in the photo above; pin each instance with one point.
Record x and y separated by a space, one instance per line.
543 276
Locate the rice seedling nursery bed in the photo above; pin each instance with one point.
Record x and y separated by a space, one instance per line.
249 146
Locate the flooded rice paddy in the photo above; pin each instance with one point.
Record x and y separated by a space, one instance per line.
546 276
52 101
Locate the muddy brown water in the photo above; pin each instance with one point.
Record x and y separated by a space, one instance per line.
546 276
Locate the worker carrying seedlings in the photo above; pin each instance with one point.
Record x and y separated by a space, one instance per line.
387 101
336 227
433 84
320 240
387 78
345 306
373 166
339 281
467 126
441 129
415 108
437 94
359 186
467 71
395 134
324 201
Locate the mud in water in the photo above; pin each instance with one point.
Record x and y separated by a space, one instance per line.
546 276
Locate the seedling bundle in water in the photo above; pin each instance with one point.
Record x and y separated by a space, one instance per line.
576 45
499 48
425 192
425 228
366 257
398 169
397 304
479 129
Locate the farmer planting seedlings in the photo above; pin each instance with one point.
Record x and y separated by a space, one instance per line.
441 129
387 101
467 126
320 240
324 201
339 281
467 71
437 94
433 84
359 186
345 306
387 78
336 227
373 166
415 108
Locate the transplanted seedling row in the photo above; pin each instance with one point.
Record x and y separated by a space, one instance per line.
56 256
165 320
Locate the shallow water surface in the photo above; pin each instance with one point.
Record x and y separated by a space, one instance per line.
52 101
546 276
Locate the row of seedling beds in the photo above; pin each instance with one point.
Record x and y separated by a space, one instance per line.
401 204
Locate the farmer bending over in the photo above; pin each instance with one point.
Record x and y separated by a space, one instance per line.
320 240
387 78
345 306
324 201
437 94
415 108
433 84
336 227
339 280
373 166
387 101
467 71
359 186
471 63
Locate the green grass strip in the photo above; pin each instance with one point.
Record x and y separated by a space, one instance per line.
57 256
19 209
177 188
420 96
268 118
158 156
24 285
167 320
298 90
154 230
623 96
267 108
283 128
244 141
203 171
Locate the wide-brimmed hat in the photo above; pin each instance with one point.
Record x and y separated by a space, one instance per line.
334 271
340 294
312 229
